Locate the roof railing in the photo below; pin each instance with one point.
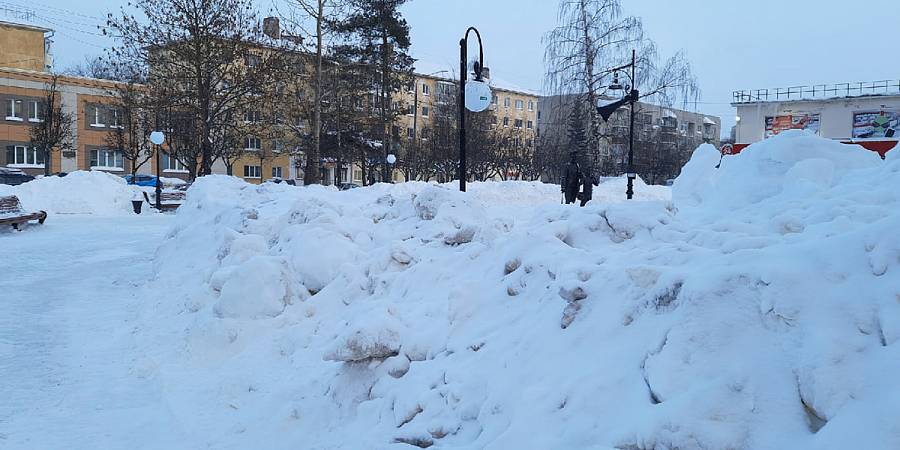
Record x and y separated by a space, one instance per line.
818 91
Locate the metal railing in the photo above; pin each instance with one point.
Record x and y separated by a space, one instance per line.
818 91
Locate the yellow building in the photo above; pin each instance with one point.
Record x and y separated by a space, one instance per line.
514 112
24 79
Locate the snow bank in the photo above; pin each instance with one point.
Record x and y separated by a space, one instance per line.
78 192
760 309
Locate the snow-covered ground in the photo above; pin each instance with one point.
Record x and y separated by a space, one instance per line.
757 307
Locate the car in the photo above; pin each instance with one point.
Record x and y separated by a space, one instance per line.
12 176
141 180
347 186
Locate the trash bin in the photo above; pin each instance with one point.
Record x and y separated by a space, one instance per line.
136 204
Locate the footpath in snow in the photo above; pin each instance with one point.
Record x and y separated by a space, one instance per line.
68 303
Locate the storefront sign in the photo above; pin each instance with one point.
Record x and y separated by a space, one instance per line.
876 124
777 124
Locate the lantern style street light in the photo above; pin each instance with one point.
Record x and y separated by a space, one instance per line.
607 110
474 96
157 138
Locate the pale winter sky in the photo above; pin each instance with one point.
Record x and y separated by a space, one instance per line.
732 44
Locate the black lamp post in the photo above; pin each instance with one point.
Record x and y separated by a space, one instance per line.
607 110
463 70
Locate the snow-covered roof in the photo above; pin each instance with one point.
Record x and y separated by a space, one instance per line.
450 71
669 113
708 120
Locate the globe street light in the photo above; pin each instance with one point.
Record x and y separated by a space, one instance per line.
474 96
391 159
157 138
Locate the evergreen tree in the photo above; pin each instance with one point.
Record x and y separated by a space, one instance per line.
377 37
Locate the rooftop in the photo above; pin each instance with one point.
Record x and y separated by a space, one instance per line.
450 72
818 92
25 26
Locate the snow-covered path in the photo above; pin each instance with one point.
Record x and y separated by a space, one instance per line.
67 304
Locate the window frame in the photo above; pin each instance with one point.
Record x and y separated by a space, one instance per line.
36 118
95 119
248 172
255 140
118 156
12 108
35 154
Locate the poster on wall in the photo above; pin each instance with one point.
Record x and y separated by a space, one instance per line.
876 124
777 124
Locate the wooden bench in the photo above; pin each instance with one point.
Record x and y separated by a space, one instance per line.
168 200
11 213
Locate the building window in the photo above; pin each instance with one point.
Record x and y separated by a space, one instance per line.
252 60
252 172
251 116
424 111
531 105
506 102
520 105
34 112
506 121
276 172
107 159
426 133
22 156
493 120
518 123
530 125
253 143
357 174
410 133
172 164
97 117
14 110
426 89
411 110
411 88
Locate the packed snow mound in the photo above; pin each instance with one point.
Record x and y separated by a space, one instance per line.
80 192
737 316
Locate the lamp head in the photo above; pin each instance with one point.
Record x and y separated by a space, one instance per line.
616 86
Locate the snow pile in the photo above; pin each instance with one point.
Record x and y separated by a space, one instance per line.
80 192
759 310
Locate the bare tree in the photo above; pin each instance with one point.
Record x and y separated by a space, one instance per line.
54 129
591 40
323 14
210 58
134 118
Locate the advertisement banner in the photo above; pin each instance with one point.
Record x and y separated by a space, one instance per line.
777 124
876 124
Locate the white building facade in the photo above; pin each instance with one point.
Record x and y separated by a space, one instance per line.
864 113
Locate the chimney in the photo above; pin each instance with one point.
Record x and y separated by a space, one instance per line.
272 27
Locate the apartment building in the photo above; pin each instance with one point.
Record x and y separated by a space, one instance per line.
24 80
432 94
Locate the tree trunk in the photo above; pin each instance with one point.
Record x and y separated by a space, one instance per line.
311 176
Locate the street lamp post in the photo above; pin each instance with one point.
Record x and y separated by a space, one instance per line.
463 72
157 138
391 159
607 110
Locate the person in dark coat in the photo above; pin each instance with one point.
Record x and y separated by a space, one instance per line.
587 188
571 178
